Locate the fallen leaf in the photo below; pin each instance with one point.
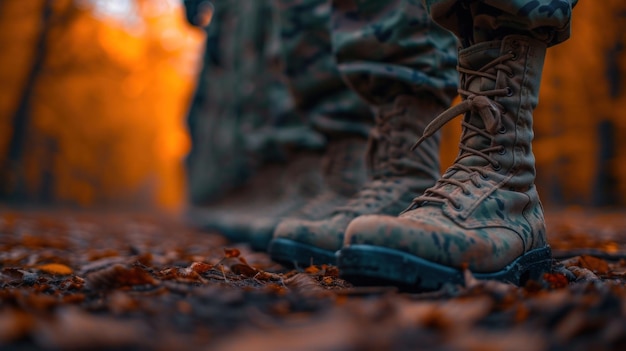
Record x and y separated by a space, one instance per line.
243 269
556 280
229 253
312 269
262 275
583 274
305 284
119 276
594 264
200 267
55 268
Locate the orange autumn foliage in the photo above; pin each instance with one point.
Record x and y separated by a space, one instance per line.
108 106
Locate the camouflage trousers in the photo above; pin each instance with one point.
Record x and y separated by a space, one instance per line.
295 68
341 58
381 49
483 20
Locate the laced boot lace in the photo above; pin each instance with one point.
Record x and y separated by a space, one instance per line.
478 103
383 161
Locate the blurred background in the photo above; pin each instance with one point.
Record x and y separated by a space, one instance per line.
123 103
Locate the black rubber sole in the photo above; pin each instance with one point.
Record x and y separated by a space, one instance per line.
292 253
369 265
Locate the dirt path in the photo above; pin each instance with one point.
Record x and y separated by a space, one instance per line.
75 280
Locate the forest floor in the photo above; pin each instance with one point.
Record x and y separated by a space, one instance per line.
128 281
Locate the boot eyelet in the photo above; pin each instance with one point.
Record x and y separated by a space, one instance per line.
509 91
510 52
457 207
484 176
502 151
497 167
502 130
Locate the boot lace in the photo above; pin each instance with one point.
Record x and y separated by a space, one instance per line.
479 103
384 161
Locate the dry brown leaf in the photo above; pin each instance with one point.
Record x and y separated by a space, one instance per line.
262 275
243 269
556 280
55 268
331 271
200 267
305 284
145 259
594 264
312 269
229 253
119 276
17 274
583 274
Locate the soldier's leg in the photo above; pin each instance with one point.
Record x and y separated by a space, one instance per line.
302 89
484 213
402 64
253 157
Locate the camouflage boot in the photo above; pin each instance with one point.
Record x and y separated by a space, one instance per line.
397 176
343 172
249 212
297 189
484 213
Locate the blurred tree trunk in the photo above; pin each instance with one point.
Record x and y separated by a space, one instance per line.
14 186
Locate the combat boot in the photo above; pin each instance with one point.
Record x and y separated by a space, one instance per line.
309 186
397 175
343 172
484 213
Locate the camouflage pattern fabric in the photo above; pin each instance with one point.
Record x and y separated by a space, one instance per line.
242 113
404 66
389 48
311 71
475 21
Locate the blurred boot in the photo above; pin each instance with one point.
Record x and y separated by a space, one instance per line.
343 171
484 213
309 186
397 176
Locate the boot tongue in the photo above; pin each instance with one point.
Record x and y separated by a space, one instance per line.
474 59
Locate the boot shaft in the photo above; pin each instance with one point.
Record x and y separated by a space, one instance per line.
508 72
343 165
397 126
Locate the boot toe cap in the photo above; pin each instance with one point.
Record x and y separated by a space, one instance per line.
441 243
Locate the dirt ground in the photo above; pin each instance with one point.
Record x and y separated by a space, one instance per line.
75 280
